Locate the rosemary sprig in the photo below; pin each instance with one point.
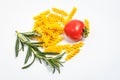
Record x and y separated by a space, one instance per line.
33 50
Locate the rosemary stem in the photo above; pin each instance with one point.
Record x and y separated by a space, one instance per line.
41 57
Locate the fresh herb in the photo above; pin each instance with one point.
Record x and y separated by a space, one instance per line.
25 39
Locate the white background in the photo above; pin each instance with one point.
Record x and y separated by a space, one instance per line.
99 59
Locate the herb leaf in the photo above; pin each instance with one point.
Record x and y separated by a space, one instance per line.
33 33
59 56
37 42
17 47
22 45
40 61
29 53
29 64
50 53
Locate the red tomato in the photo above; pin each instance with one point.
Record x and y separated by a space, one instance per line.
74 29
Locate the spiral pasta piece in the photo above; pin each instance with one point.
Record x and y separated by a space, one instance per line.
62 12
70 16
72 54
86 22
74 46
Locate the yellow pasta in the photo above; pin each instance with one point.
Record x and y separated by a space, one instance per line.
72 54
45 12
86 22
57 48
38 17
71 14
74 46
56 10
50 26
56 17
77 45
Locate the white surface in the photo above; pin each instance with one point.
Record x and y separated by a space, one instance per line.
99 59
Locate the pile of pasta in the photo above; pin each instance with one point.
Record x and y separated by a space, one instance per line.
50 24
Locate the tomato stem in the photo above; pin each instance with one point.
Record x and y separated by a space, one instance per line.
85 32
